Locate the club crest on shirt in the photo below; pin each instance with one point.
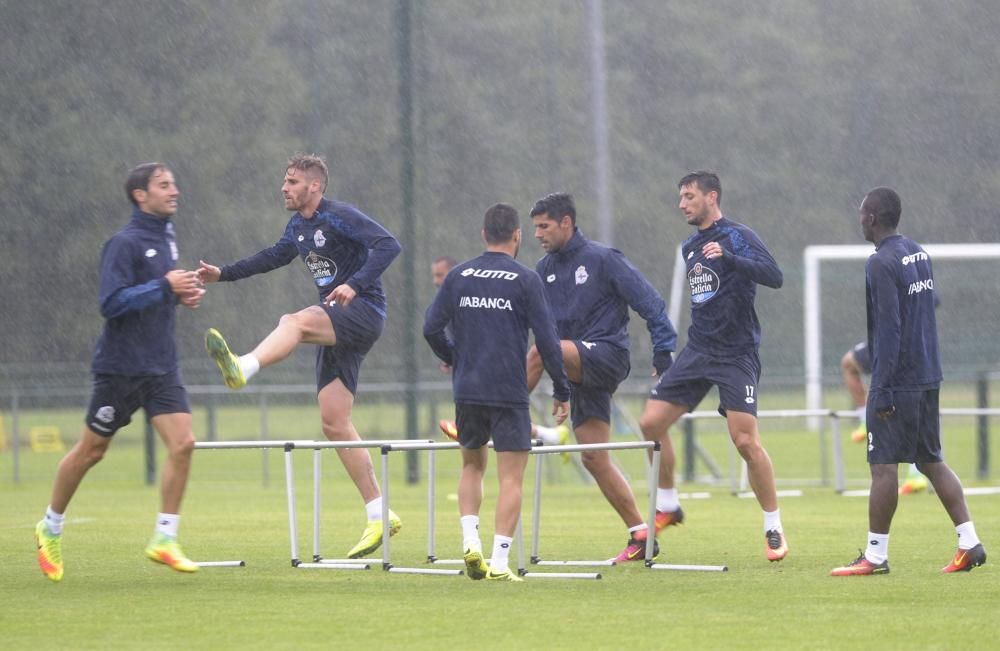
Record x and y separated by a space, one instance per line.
318 238
581 275
704 283
105 414
323 270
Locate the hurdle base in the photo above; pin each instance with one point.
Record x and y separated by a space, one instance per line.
221 563
333 566
607 563
686 568
560 575
423 570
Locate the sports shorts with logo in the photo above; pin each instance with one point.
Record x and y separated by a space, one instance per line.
116 397
357 327
693 373
912 434
862 357
604 367
509 427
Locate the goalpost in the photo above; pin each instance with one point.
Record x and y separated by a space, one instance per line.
813 257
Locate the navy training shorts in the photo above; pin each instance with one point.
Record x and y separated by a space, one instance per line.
116 397
605 366
912 434
691 376
357 326
863 357
509 427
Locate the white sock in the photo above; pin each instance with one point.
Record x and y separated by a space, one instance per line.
501 551
54 521
772 521
549 435
861 413
878 548
470 532
250 366
912 472
638 527
167 524
666 500
967 538
374 509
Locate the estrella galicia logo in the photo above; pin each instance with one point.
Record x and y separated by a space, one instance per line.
704 283
323 270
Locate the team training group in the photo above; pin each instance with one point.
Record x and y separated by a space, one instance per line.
576 304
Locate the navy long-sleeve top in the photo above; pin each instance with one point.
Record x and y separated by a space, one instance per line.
136 301
723 319
902 330
590 287
490 302
339 244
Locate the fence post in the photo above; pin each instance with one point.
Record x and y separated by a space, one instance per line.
265 474
983 426
150 449
689 450
15 434
212 433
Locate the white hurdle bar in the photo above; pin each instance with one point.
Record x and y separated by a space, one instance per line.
236 445
542 450
318 562
335 563
537 501
289 446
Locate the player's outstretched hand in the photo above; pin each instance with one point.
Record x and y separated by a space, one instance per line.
560 410
208 273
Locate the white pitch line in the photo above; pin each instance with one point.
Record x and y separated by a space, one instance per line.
694 496
783 493
983 490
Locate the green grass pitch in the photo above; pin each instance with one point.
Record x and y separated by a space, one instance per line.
113 597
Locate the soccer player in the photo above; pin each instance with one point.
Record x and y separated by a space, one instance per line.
725 263
902 413
488 304
558 435
855 364
346 252
590 288
440 268
135 365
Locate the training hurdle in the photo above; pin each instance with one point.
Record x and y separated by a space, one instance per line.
539 452
288 447
651 483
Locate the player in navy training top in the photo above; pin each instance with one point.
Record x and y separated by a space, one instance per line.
590 288
902 413
488 304
135 364
725 263
346 252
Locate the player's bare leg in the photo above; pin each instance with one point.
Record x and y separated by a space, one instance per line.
311 325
